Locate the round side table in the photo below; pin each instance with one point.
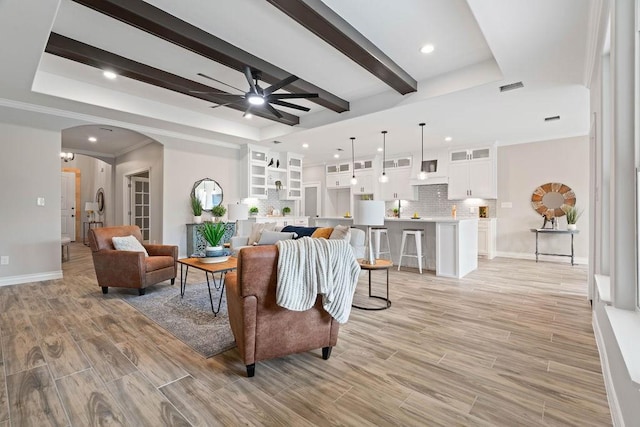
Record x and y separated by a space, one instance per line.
381 264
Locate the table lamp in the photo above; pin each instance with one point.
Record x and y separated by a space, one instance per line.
369 213
237 213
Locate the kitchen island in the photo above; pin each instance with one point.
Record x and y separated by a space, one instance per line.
451 244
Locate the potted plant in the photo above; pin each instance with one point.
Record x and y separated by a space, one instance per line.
196 208
286 210
253 210
218 211
213 232
572 214
396 212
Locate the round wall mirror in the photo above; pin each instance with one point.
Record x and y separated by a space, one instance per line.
552 198
209 192
100 200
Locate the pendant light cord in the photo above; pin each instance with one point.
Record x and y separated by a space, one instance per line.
353 160
422 158
384 150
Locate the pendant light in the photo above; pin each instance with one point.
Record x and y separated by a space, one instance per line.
354 181
423 174
384 178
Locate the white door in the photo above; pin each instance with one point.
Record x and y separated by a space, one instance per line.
68 205
139 202
312 200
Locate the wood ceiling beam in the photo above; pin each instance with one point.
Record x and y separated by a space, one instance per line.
89 55
159 23
321 20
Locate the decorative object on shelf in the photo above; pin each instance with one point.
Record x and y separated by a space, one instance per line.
347 215
396 212
369 213
67 157
483 211
551 199
196 208
278 185
354 180
286 210
423 173
90 208
415 216
270 162
213 233
217 212
238 212
100 201
384 178
278 163
454 211
209 192
549 218
253 210
573 214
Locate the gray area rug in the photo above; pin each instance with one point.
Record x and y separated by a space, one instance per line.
189 319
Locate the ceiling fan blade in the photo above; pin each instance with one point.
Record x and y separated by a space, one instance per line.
249 77
225 104
291 96
279 85
288 104
204 92
273 111
216 80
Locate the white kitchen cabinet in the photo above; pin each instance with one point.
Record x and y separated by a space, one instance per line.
338 180
294 177
472 173
399 185
338 168
487 237
363 165
366 184
255 161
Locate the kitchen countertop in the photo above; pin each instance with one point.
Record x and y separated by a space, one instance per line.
393 219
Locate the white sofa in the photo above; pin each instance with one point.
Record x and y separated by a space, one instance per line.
357 242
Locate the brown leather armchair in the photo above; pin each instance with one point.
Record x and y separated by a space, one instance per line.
128 269
262 329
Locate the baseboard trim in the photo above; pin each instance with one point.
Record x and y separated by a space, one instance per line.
28 278
612 397
526 255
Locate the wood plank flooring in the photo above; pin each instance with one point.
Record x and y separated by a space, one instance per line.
510 344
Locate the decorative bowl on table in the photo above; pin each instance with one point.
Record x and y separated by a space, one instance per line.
218 256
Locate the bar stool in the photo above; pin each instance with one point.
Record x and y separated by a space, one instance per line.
377 234
417 235
64 243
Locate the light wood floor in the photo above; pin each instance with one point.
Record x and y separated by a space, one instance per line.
510 344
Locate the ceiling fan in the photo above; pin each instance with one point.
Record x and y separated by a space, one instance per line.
258 97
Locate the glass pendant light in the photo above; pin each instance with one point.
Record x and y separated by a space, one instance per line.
423 174
384 178
354 180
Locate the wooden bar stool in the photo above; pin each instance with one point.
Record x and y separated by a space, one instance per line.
377 237
417 235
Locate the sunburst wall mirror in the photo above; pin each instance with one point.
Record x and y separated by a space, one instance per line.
551 199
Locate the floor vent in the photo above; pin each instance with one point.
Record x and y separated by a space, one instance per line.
511 86
552 118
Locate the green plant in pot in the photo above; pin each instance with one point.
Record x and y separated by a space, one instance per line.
253 210
196 208
213 232
573 214
286 210
218 211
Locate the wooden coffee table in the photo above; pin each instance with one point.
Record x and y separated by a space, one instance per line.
221 267
381 264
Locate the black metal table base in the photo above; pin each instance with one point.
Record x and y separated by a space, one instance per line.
571 255
386 299
217 287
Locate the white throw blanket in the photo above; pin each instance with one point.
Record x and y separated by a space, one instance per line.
308 267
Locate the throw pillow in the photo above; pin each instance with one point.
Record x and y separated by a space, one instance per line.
341 232
300 231
257 229
128 243
322 233
271 237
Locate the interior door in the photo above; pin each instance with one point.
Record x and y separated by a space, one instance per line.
312 200
139 202
68 205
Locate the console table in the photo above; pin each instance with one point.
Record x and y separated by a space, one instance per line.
551 231
86 226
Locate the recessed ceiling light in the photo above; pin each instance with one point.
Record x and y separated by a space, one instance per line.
427 48
92 139
448 139
248 116
380 149
110 75
337 156
305 145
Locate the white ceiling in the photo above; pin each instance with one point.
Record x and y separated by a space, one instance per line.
480 45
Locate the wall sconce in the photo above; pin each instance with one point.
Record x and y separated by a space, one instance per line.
67 157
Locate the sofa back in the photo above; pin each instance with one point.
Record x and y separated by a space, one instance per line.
100 238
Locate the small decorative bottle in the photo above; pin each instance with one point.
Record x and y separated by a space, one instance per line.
453 211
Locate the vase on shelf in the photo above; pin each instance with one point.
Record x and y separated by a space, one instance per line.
197 219
571 227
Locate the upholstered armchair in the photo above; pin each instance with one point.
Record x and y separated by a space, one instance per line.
129 269
262 329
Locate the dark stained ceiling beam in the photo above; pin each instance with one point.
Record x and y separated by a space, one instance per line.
89 55
161 24
321 20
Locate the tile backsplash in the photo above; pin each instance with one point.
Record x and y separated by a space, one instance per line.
272 201
432 202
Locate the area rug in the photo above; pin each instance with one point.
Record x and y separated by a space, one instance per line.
189 319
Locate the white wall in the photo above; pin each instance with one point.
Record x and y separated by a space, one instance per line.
522 168
186 163
29 234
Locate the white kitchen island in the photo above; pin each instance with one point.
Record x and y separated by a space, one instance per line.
451 244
